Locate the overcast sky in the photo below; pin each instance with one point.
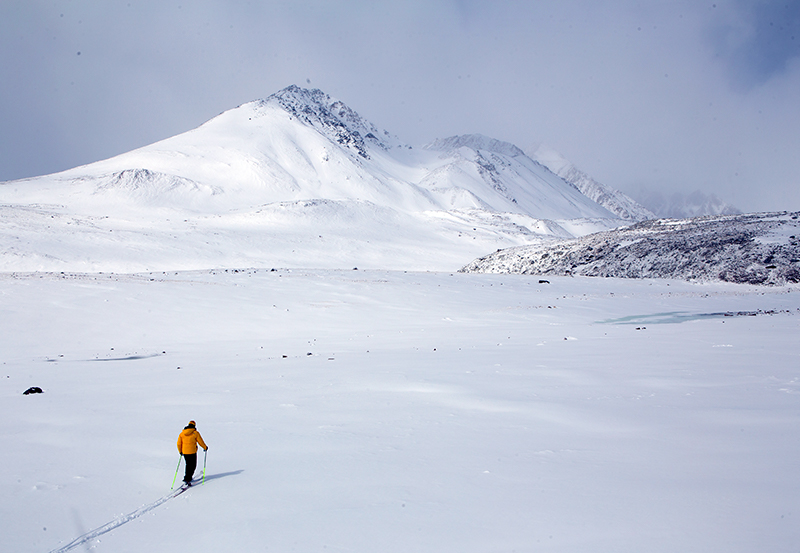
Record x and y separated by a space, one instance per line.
672 95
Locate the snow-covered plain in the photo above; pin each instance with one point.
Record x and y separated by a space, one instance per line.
395 412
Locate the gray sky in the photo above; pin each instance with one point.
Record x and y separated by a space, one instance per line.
671 95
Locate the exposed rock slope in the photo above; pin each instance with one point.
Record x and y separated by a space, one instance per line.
754 248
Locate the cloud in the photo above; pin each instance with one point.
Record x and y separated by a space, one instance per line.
680 94
758 39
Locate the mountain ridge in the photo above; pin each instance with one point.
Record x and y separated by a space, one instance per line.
617 202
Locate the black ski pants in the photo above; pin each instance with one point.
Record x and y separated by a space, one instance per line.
191 465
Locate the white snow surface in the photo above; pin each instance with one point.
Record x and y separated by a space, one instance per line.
398 411
296 180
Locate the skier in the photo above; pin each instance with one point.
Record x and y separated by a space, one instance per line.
187 446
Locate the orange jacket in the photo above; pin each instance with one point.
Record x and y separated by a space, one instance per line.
188 440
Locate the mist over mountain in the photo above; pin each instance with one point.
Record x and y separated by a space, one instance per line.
615 201
679 205
297 179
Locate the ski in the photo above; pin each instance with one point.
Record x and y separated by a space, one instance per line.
186 485
182 488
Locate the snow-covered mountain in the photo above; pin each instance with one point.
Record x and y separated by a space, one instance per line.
615 201
296 179
754 249
517 182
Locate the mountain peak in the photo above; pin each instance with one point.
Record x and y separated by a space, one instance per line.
331 117
296 99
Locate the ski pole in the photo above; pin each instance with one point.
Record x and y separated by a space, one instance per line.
176 472
205 456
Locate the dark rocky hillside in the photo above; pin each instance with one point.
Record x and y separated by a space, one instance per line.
760 248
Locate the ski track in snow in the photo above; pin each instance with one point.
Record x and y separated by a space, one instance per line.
117 522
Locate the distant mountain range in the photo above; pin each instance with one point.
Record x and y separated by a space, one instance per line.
298 179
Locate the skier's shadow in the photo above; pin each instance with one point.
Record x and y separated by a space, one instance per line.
223 474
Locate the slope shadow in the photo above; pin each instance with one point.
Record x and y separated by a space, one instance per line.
672 317
129 358
223 474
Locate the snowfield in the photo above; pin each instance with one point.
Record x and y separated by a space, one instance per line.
398 411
